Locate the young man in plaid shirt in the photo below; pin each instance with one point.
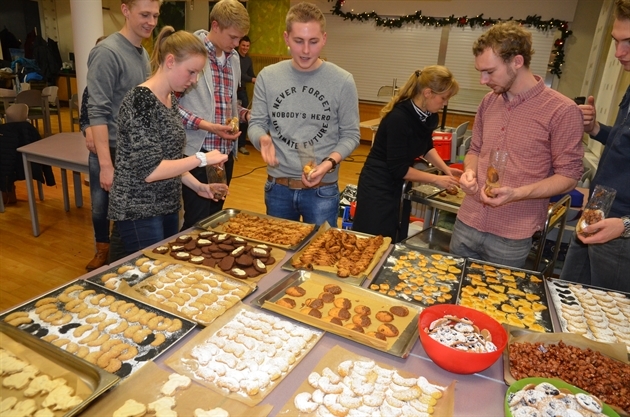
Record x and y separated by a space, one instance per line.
208 105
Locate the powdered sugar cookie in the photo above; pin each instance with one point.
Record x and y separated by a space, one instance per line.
131 408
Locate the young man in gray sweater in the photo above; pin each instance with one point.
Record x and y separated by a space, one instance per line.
299 104
115 66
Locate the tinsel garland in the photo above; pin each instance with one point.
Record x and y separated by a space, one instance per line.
555 67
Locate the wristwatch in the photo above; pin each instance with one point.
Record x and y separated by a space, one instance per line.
626 227
333 162
202 159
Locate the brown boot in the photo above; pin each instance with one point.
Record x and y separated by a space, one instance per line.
100 259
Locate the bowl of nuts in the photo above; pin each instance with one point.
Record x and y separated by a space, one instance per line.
460 339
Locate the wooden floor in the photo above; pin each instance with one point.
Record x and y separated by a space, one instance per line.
32 265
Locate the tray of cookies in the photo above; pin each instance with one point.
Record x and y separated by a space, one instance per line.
596 313
195 293
233 255
245 354
510 295
111 330
454 196
339 253
421 276
340 383
36 375
600 368
260 228
352 312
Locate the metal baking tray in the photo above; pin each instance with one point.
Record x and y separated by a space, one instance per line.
95 378
215 222
562 293
434 238
455 200
415 275
356 280
128 271
40 328
532 283
400 347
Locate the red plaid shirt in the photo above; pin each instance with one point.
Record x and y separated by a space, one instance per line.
542 132
223 85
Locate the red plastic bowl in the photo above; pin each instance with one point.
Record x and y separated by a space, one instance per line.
454 360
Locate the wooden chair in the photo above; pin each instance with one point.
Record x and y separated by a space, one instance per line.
33 99
17 112
53 102
74 105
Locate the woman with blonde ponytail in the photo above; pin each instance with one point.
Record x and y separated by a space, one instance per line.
150 164
405 132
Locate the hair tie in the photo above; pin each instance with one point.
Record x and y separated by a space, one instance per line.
418 72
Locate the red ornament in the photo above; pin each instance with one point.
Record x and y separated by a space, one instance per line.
462 20
558 42
487 23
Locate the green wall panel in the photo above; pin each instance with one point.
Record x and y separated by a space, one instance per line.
267 27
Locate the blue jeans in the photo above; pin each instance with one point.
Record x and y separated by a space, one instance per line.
100 201
605 265
142 233
471 243
315 205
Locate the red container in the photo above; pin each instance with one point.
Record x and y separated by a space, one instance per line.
442 143
454 360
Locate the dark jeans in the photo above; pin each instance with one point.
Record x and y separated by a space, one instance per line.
242 95
100 205
313 205
142 233
197 208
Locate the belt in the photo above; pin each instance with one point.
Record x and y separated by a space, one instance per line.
294 184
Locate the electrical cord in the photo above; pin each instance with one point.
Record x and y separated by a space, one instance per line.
348 159
250 172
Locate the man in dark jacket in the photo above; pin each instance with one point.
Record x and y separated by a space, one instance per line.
247 76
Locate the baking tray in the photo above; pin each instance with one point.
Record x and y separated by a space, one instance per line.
175 278
40 328
132 272
331 271
95 378
455 199
434 238
275 255
580 308
510 295
398 346
216 221
420 276
613 351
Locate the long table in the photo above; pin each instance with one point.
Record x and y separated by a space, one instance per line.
64 150
480 394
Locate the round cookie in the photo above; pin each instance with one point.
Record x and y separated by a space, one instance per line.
295 291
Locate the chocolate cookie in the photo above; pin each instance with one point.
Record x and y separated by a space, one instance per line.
332 288
203 242
190 245
315 303
354 327
361 320
295 291
238 273
313 312
182 256
240 250
286 302
176 247
183 239
384 316
226 263
213 248
197 260
226 247
251 272
219 255
260 266
245 260
388 330
196 252
238 241
206 234
211 262
161 250
259 253
327 297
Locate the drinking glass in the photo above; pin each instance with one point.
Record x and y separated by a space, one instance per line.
496 170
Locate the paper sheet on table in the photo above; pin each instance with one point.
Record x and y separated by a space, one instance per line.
443 408
145 386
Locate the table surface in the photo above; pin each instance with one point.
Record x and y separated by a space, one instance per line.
487 387
370 124
66 147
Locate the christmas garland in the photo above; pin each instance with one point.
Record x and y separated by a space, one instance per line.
555 67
